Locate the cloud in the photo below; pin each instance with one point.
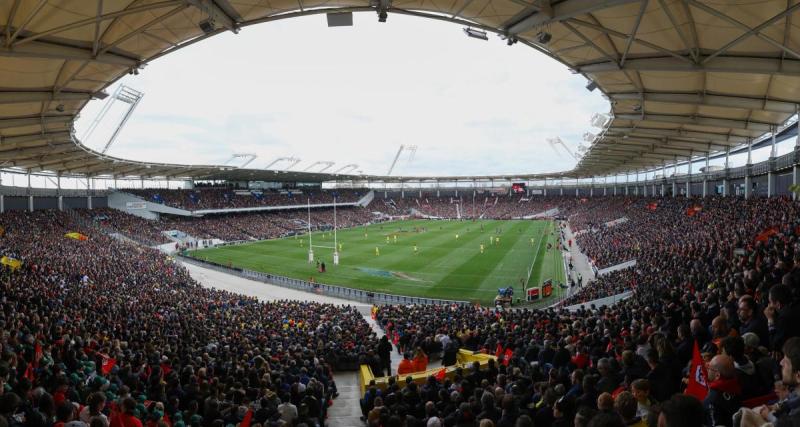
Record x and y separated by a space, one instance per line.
354 95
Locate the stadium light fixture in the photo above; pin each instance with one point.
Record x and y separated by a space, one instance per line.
207 26
476 34
543 37
591 86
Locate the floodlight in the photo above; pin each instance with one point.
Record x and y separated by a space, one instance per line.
476 34
543 37
591 86
207 26
382 15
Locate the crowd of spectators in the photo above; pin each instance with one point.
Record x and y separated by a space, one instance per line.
115 221
724 273
610 284
126 334
229 197
226 227
95 331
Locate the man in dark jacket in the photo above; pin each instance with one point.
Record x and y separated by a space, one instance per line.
752 320
724 392
385 353
783 316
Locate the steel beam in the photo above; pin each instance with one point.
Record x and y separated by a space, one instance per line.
17 97
699 121
709 99
562 11
51 50
726 139
34 137
35 120
721 64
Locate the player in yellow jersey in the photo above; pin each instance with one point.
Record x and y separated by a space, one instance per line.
415 249
377 251
395 238
481 247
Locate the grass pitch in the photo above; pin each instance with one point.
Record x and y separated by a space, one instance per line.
442 267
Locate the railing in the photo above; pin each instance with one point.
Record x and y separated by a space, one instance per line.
785 161
319 288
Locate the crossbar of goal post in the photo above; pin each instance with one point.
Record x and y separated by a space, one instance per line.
326 247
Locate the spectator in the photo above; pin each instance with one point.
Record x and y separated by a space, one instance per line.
724 392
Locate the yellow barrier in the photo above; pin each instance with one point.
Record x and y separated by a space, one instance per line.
365 375
464 359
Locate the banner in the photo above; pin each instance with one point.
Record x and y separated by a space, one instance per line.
693 210
653 206
766 234
12 263
76 236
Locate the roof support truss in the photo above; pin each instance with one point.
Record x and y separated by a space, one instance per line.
721 64
713 100
562 11
725 139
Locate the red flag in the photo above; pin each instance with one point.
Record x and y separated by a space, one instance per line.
247 418
396 338
440 375
37 354
652 206
698 377
766 234
29 372
498 351
108 365
507 356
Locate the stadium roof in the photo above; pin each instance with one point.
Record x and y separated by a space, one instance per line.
683 76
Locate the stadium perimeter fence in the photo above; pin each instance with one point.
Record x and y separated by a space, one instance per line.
319 288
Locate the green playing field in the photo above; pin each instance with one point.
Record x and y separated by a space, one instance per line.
447 263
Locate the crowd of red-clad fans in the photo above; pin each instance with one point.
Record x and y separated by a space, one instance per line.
719 274
95 331
229 197
101 332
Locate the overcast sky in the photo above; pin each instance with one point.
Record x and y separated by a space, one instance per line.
354 95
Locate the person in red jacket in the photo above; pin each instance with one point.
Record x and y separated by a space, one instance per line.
126 417
406 366
420 360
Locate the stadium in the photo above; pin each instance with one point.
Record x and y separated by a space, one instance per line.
654 280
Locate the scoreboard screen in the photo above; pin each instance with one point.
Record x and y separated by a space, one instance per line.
518 187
